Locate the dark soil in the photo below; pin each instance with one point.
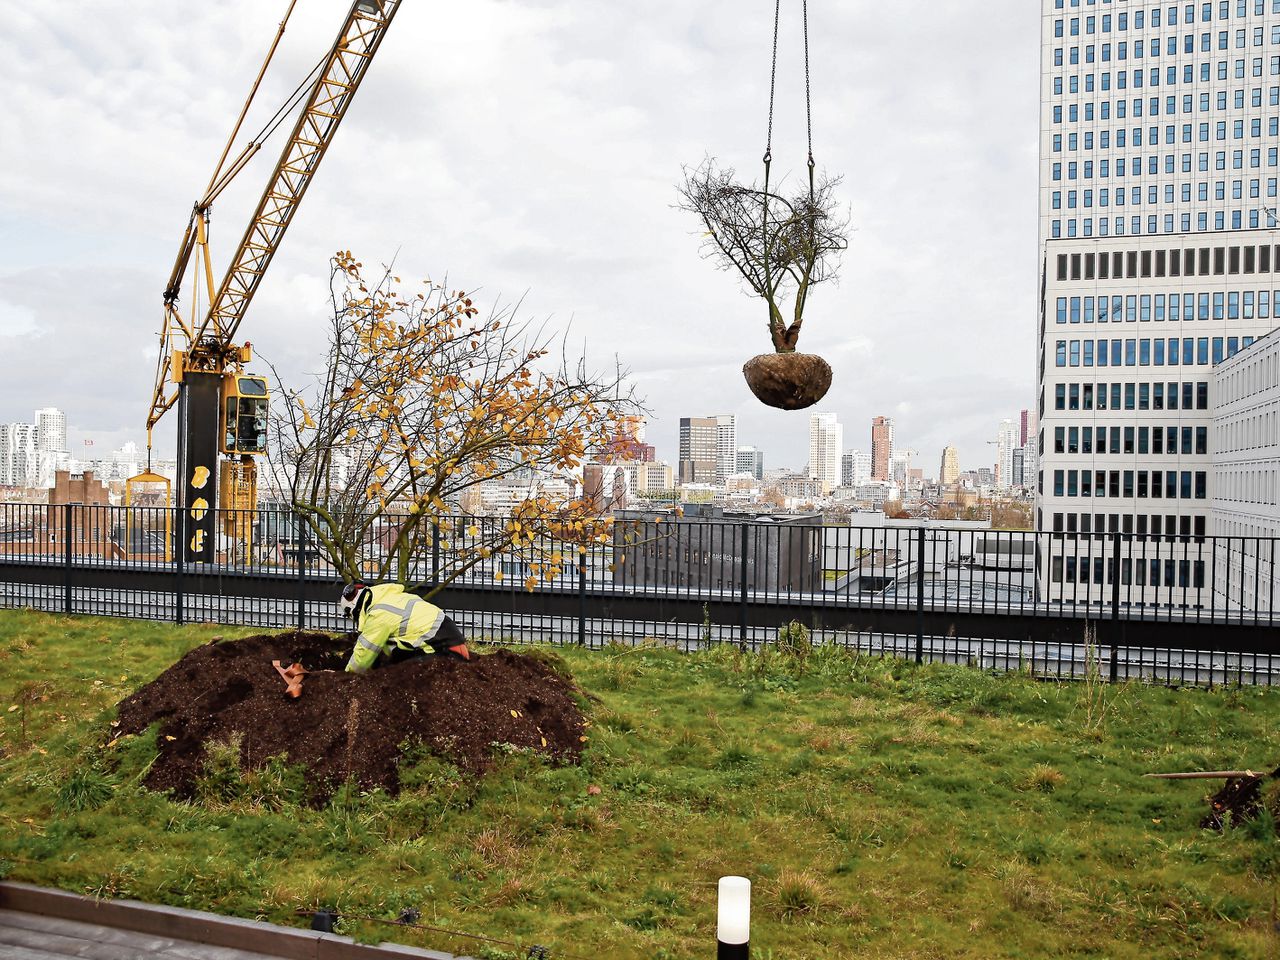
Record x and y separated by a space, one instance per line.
348 726
1239 800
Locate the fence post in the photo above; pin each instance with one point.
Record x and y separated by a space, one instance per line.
179 613
582 599
66 555
435 553
742 614
920 595
1115 605
300 541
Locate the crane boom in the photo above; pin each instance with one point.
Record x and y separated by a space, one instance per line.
208 346
348 61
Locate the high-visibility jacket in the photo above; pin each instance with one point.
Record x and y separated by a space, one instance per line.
393 618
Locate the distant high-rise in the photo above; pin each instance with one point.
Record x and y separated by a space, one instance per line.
726 447
881 447
826 439
51 430
1024 426
1006 443
950 470
750 460
855 468
698 450
17 454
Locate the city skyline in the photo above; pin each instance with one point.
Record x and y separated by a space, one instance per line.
605 153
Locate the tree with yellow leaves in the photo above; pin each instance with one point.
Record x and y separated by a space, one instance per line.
422 399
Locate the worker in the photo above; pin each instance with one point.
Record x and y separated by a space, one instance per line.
396 626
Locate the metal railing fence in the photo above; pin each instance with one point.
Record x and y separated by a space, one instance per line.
1178 608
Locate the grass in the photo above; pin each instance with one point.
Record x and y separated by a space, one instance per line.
881 809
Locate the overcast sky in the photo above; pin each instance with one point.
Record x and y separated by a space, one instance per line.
531 148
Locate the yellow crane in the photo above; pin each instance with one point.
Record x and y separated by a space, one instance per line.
222 408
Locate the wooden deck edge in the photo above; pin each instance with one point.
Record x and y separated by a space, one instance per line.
206 928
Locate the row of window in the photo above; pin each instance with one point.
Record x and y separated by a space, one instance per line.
1239 68
1260 372
1135 571
1130 484
1206 8
1074 26
1251 484
1131 396
1247 431
1171 45
1132 264
1187 351
1156 525
1146 307
1085 227
1131 440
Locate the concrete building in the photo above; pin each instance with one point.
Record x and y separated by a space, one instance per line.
949 472
654 477
704 549
881 447
855 468
750 460
18 463
1245 482
826 441
726 448
1159 161
699 450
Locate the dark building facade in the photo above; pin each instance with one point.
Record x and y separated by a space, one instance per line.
707 549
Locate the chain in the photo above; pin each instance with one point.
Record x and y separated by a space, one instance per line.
773 76
808 105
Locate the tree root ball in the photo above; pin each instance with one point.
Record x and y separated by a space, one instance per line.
788 381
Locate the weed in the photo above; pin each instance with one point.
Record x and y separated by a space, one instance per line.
793 642
86 789
221 780
1044 778
795 894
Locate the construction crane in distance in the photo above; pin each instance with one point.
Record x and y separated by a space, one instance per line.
222 408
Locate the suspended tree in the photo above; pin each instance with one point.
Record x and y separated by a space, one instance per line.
780 247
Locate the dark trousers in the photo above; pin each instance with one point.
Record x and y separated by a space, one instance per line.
449 635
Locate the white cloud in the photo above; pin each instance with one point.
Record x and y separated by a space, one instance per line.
532 148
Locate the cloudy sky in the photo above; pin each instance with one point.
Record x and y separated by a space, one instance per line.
530 148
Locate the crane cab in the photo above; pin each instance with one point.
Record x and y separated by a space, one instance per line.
244 402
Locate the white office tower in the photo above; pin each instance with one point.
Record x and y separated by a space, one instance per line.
1160 135
726 448
1245 439
826 442
1006 443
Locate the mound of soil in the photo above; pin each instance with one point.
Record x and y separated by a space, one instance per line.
1239 800
347 726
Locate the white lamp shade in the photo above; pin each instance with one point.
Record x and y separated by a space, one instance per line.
733 917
